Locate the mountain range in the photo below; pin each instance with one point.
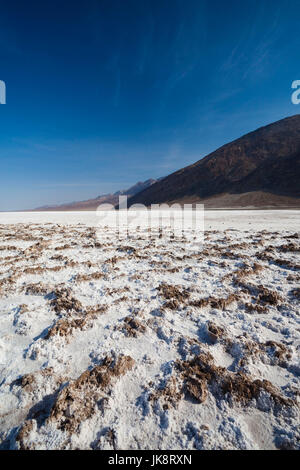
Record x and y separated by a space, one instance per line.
260 169
92 204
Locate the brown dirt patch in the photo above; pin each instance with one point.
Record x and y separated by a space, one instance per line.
78 401
65 302
201 371
132 326
173 292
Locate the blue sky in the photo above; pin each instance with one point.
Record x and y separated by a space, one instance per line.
102 94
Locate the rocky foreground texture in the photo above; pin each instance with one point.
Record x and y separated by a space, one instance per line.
147 344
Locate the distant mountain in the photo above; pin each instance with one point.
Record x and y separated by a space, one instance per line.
137 188
260 169
92 204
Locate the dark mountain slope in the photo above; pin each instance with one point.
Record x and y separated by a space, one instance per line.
278 176
266 160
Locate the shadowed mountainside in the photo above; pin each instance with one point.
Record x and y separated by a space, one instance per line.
263 166
259 170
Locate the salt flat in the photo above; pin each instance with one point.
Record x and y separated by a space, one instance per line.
214 219
145 344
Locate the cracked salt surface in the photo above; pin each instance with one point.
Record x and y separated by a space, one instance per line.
166 307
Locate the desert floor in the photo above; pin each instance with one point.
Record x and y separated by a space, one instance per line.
149 343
